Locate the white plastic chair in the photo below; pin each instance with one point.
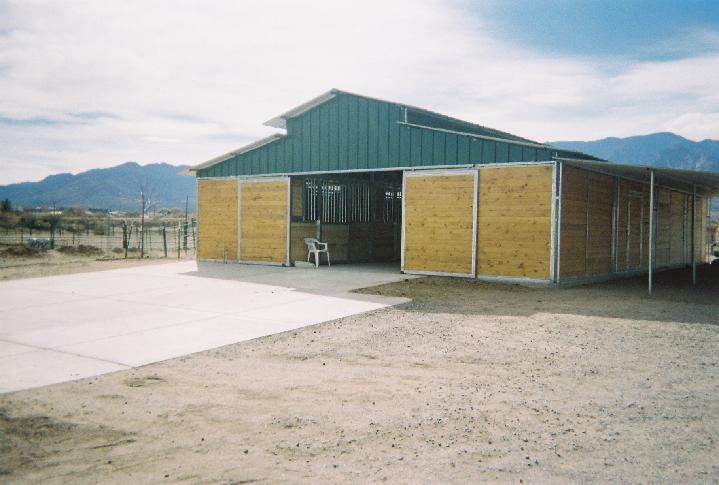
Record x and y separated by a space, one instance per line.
313 247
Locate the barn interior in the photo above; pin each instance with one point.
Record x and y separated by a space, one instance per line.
358 214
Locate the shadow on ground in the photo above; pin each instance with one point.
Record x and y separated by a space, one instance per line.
338 279
674 299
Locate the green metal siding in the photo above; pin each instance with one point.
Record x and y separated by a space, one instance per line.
355 133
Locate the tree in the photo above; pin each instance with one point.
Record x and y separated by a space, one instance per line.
148 202
5 205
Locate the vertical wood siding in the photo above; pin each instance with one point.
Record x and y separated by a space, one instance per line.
514 221
263 221
439 213
217 219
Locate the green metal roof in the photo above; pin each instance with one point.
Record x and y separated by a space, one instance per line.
340 131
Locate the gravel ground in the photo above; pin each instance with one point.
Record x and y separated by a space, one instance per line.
471 382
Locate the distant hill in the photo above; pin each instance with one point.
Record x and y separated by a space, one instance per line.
115 188
660 149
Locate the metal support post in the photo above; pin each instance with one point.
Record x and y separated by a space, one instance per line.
652 230
693 226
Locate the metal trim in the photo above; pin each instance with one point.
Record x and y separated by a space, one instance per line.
481 137
388 169
289 220
559 222
239 218
580 164
443 172
514 279
693 238
553 225
652 239
262 263
255 178
404 220
475 225
439 273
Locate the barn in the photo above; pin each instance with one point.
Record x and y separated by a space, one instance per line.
387 182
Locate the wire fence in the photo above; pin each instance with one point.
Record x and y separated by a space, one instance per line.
111 238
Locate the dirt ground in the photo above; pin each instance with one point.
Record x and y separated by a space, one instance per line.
471 382
54 263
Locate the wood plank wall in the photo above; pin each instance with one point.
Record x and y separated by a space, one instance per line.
298 232
263 221
514 221
664 225
678 221
587 229
297 187
587 214
573 233
217 219
700 229
600 208
630 221
439 223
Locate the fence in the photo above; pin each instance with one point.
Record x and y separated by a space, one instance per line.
113 238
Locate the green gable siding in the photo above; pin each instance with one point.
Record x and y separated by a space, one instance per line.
351 132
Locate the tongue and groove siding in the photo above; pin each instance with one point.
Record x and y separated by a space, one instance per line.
587 227
264 221
217 219
514 225
439 223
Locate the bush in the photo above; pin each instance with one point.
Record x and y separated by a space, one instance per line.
21 252
81 250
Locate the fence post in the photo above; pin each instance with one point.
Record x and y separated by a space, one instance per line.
194 241
125 242
178 240
164 238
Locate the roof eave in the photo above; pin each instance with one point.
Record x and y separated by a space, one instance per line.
239 151
281 120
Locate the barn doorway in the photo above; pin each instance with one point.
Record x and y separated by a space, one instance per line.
359 215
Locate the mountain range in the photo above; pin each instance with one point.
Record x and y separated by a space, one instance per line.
666 150
118 188
115 188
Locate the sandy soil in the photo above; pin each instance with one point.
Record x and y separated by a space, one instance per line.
471 382
55 263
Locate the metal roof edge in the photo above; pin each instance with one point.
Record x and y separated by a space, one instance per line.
709 181
239 151
281 120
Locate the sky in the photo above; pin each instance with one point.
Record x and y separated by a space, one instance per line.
89 84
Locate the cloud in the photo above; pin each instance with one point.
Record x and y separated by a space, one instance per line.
184 81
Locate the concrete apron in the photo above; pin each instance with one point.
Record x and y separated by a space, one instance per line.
60 328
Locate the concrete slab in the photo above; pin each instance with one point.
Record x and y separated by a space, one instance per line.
67 327
43 367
